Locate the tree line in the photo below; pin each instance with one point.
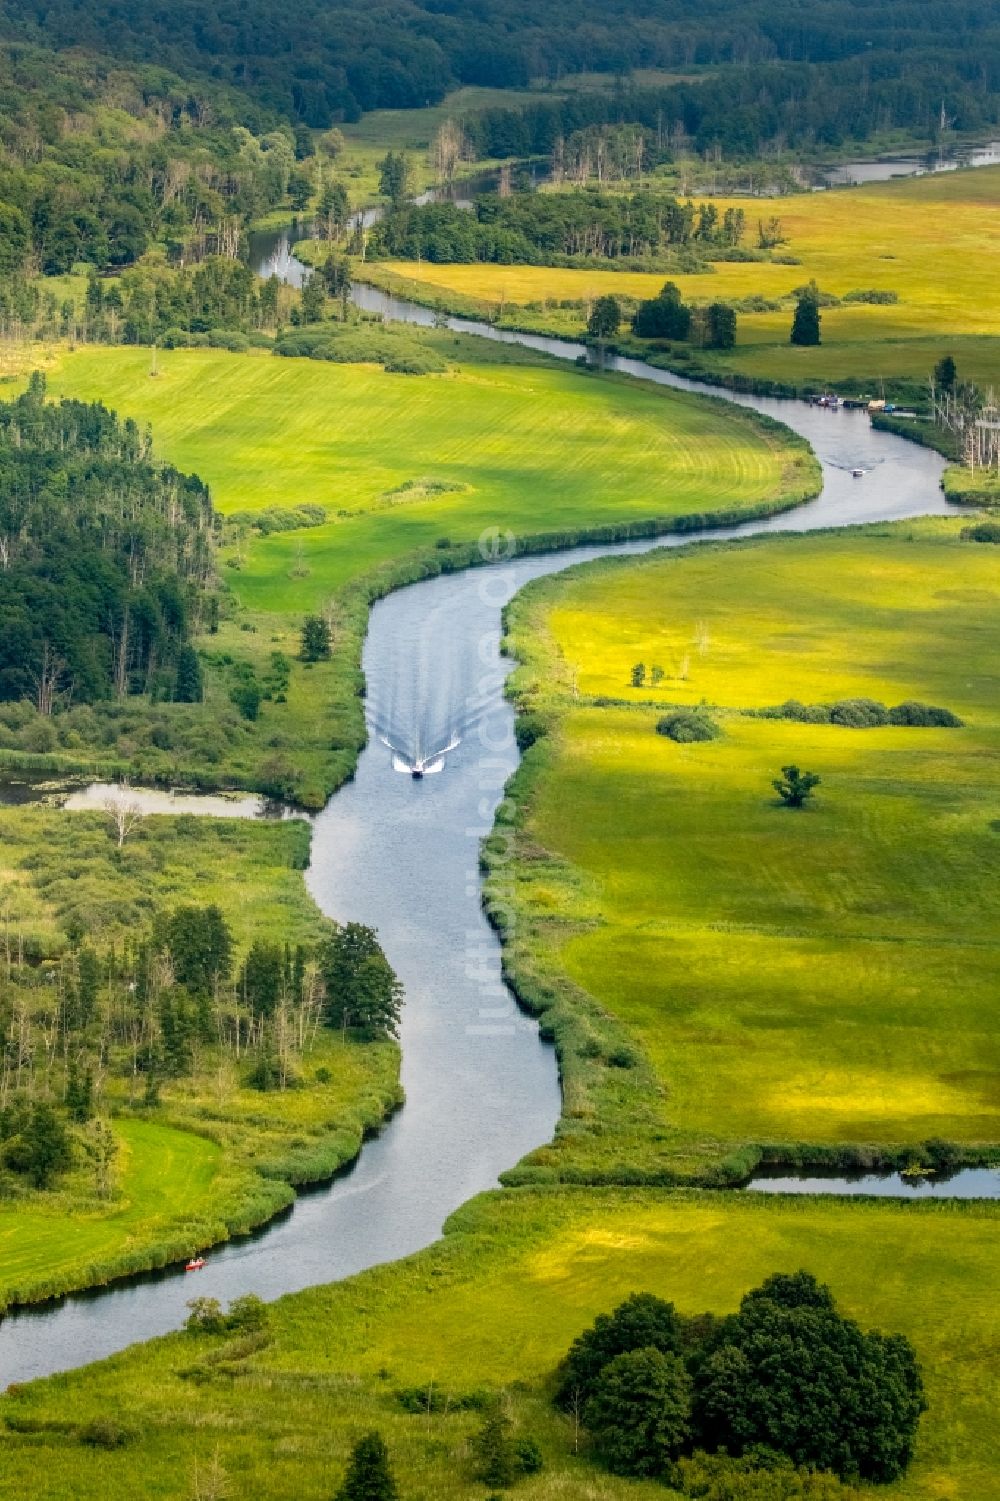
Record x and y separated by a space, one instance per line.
321 62
743 113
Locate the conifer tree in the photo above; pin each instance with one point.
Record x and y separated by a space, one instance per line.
369 1475
189 688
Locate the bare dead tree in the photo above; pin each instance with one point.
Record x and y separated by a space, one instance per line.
450 147
47 680
124 812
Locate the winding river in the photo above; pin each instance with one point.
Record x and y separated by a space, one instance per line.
401 854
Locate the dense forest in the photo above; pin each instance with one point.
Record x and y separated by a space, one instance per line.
319 61
105 558
96 161
742 112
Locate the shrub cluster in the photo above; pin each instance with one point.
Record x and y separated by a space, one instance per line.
280 518
687 725
246 1315
233 339
787 1379
361 345
984 531
871 296
864 714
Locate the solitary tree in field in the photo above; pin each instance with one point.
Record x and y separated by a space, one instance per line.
638 675
369 1475
494 1449
795 787
770 234
806 323
315 639
605 318
124 812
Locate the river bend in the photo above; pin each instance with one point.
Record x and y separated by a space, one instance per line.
482 1089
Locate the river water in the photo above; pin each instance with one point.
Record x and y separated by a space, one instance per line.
401 854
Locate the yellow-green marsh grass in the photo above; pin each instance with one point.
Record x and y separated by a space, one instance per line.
929 239
493 1306
823 976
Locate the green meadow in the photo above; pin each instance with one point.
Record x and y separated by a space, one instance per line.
524 444
411 471
266 432
822 979
720 975
516 1277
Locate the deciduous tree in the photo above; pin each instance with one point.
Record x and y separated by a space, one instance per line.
795 787
362 990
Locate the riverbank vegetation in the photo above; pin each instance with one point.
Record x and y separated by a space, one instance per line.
725 977
517 1277
175 1053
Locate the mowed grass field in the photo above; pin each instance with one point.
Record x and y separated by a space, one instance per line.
517 1277
412 131
823 976
214 1159
929 239
166 1179
526 445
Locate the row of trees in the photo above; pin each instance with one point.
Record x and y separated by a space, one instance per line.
753 111
667 316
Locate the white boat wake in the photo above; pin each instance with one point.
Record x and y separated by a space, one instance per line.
419 766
